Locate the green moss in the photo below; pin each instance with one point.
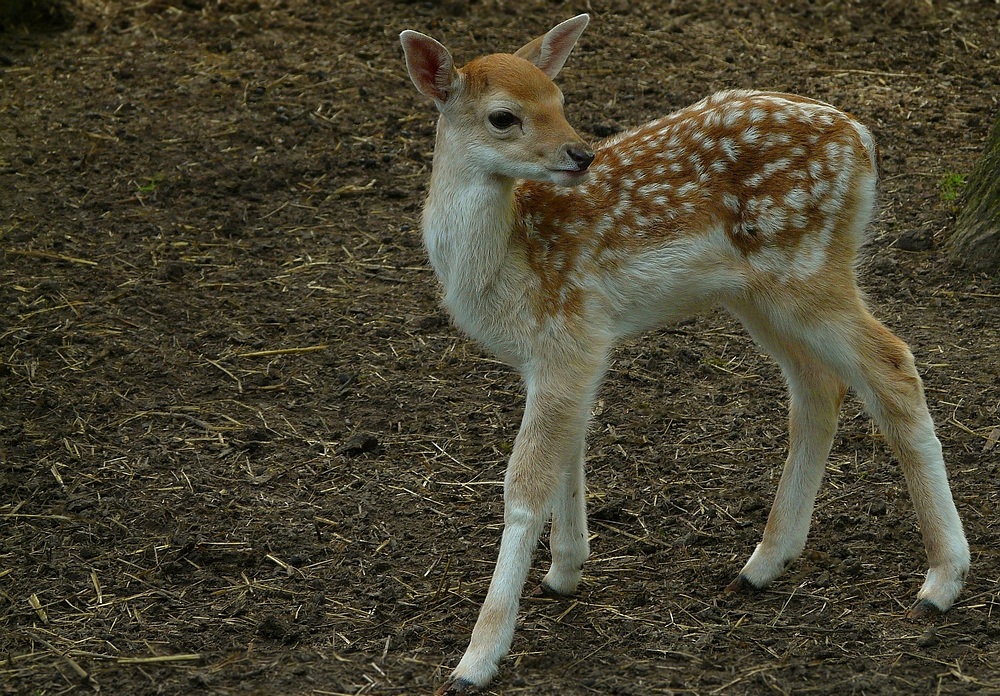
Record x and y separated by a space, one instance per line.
951 186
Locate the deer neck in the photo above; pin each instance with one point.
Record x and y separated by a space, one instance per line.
468 221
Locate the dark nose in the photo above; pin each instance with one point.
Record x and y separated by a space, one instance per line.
583 156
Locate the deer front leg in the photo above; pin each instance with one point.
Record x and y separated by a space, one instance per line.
568 542
548 444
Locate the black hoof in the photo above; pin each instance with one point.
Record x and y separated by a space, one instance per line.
924 609
456 686
544 590
742 585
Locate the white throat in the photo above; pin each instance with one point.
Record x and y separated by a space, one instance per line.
468 226
468 220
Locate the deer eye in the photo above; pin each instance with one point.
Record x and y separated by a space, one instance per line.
502 119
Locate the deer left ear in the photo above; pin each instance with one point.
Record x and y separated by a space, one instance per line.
550 51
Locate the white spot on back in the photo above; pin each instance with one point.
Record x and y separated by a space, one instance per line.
729 147
751 135
776 165
795 199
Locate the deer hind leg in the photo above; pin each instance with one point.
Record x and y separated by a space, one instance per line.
880 368
847 341
548 446
815 398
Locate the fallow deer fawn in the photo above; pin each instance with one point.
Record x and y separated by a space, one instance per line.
549 251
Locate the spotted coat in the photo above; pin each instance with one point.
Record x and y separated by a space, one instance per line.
777 173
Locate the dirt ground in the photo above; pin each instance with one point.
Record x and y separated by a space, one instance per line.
242 450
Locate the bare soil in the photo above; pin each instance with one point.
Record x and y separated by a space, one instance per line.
242 450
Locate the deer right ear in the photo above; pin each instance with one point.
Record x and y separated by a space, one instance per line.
550 51
430 65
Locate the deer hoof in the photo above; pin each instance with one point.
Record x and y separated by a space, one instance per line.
742 585
924 609
456 686
545 590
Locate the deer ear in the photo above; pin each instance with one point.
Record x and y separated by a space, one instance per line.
550 51
431 67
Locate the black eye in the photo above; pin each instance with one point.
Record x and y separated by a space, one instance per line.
502 119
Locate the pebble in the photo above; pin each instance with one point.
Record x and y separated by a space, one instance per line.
928 638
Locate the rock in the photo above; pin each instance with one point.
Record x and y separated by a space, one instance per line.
915 240
928 638
359 443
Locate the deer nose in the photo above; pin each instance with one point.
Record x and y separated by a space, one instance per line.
581 155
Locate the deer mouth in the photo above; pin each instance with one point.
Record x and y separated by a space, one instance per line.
570 177
572 171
